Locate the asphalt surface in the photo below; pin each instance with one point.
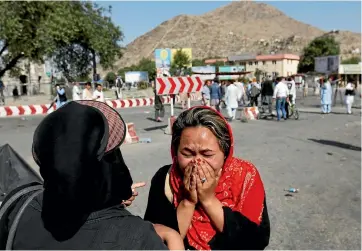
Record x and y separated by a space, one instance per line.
319 154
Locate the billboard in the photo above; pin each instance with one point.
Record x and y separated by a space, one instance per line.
235 68
227 69
163 61
136 76
187 51
206 72
326 65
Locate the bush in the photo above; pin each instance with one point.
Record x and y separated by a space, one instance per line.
142 85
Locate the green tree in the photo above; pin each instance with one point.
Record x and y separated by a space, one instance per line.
111 78
73 61
38 30
352 60
149 66
180 63
319 47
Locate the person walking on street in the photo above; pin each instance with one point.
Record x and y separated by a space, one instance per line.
2 97
267 93
223 93
350 93
326 96
254 94
232 98
280 94
305 86
206 93
240 87
159 107
292 94
215 95
61 97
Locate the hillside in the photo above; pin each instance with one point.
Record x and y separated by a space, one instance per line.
238 27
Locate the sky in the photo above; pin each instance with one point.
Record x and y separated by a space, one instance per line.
136 18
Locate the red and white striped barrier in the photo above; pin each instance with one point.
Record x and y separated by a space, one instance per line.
249 113
176 85
27 110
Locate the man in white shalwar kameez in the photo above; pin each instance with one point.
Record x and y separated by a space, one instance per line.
349 96
240 87
232 97
76 92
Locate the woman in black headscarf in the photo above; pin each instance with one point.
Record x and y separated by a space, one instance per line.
85 182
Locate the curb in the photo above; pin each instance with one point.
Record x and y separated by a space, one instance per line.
29 110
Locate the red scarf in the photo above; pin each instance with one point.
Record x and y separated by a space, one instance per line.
240 188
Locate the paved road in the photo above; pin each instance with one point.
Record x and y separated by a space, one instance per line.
318 154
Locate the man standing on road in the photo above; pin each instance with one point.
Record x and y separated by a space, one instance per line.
305 86
240 87
76 92
232 98
159 107
326 96
254 93
2 87
61 98
98 94
87 92
281 93
267 94
292 94
206 93
215 95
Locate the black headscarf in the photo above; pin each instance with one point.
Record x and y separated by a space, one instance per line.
79 177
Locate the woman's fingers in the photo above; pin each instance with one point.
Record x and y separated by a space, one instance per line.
209 171
198 181
137 185
193 182
201 172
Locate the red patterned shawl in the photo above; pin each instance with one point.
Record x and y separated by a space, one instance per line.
240 188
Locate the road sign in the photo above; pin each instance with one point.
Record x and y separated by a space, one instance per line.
176 85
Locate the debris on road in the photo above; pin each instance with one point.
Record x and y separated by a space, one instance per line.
330 153
288 195
145 140
292 190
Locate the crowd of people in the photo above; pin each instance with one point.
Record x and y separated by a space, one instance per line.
78 94
205 199
282 91
233 94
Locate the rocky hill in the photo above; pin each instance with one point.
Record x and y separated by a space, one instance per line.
239 27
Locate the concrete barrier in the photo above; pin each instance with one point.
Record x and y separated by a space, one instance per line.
249 113
28 110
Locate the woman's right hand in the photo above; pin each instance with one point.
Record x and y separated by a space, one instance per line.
190 183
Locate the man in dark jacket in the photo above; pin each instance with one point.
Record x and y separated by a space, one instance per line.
267 94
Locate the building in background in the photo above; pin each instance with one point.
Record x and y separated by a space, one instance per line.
270 65
33 80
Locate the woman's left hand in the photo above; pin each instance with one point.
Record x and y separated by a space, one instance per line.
128 202
206 181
